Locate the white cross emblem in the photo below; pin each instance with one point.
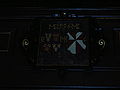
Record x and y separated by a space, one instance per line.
72 48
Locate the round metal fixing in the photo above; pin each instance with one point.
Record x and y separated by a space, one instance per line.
25 42
102 43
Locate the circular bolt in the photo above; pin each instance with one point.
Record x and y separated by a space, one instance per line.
25 42
64 13
101 42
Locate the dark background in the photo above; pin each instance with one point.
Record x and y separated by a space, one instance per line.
59 3
13 73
